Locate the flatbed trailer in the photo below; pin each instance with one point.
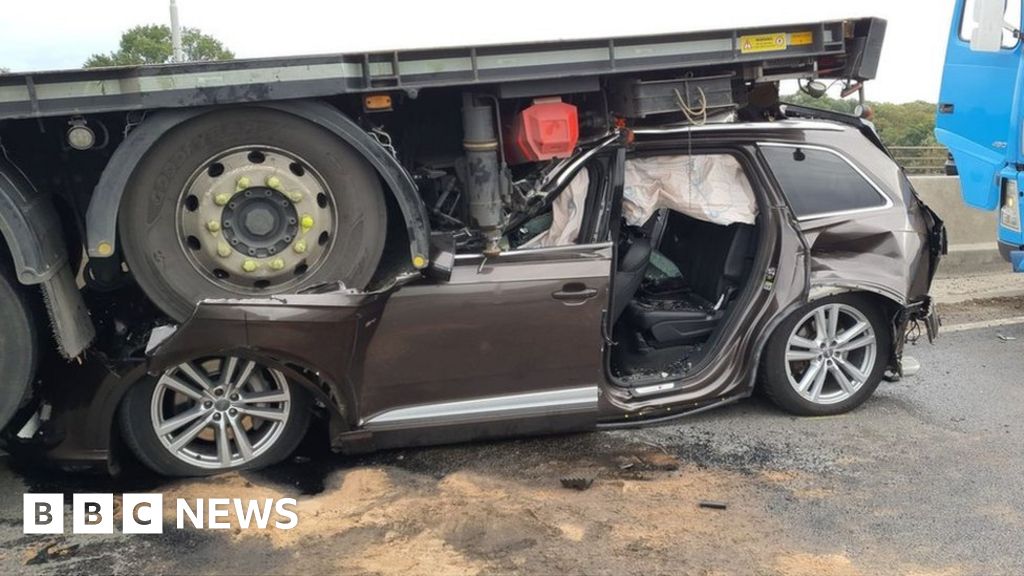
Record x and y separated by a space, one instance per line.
129 194
818 49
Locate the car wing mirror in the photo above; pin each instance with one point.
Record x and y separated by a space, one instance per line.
988 16
442 256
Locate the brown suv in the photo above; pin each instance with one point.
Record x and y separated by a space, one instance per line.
656 276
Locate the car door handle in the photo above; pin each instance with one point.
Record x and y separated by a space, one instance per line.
575 293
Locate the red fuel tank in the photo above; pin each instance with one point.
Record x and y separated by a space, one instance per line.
547 129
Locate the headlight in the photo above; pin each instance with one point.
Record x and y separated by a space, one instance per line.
1009 213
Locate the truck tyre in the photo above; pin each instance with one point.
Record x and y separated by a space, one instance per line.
249 202
214 415
19 343
827 357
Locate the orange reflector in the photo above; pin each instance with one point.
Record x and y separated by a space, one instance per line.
377 102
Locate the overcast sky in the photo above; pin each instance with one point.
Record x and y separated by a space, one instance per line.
50 34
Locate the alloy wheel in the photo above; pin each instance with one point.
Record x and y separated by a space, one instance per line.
221 412
831 353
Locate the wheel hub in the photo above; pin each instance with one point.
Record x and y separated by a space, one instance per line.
261 222
255 220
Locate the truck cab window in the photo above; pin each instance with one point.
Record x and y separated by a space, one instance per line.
1012 17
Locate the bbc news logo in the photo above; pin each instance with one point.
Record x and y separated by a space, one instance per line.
144 513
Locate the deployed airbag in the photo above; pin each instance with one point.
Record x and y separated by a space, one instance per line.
567 215
712 188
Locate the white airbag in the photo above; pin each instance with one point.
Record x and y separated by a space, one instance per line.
566 215
712 188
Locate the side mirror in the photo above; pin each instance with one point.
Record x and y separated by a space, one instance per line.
989 16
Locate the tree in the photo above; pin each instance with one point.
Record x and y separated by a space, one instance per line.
151 44
907 124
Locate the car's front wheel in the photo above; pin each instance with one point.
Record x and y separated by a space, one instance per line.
828 357
214 415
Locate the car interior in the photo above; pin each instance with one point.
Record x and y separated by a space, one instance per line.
677 280
686 246
685 250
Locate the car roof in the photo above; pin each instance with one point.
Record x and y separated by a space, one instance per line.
773 128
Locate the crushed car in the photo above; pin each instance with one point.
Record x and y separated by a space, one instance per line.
676 270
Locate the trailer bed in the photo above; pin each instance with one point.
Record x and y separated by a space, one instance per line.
846 48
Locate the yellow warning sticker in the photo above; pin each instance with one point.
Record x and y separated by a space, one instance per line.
762 43
801 38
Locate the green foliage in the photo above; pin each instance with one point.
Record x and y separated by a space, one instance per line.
151 44
907 124
823 103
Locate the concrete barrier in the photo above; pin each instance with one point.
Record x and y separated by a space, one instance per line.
972 233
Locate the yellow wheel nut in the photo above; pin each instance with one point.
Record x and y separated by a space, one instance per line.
300 247
213 226
250 266
419 261
105 249
295 197
274 182
306 222
222 199
243 183
223 250
277 264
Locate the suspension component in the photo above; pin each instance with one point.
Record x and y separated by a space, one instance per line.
483 178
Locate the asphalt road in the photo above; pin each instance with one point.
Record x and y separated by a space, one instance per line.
925 479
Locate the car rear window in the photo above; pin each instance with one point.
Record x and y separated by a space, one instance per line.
818 182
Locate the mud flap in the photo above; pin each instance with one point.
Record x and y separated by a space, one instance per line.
32 229
69 318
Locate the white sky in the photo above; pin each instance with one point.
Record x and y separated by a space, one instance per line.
51 34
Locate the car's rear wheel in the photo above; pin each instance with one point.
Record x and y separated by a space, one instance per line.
19 343
828 357
250 202
214 415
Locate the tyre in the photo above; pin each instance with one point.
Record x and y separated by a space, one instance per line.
19 343
828 357
214 415
249 202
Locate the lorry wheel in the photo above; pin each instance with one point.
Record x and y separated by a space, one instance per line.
249 202
214 415
19 344
828 357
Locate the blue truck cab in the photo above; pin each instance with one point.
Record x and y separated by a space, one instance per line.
980 116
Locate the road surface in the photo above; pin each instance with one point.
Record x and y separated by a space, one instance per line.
925 480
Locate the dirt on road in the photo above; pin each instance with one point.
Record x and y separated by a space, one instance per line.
497 508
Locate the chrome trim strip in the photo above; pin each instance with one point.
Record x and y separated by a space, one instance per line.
579 399
740 126
544 250
888 201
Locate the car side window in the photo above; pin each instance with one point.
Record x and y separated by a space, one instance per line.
818 182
